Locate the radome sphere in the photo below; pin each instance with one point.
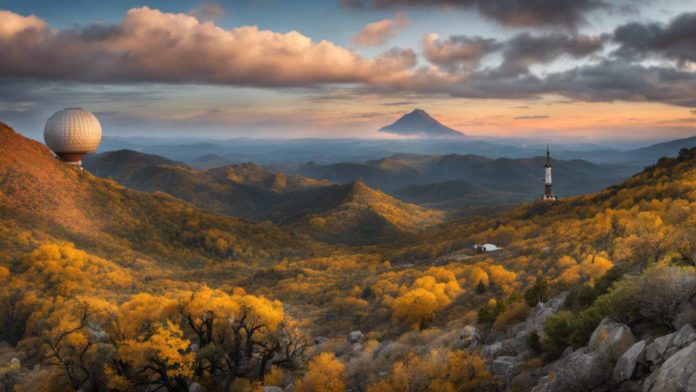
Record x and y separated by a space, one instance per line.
72 133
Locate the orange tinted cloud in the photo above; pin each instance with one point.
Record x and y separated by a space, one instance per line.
154 46
377 33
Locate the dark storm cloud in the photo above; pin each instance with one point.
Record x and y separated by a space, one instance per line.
514 13
675 40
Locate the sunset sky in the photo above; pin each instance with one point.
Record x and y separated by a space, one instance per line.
564 69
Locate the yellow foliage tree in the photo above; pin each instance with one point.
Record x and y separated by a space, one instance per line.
325 373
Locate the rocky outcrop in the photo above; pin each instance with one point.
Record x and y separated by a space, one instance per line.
656 350
503 366
542 311
590 367
677 374
611 338
581 370
626 365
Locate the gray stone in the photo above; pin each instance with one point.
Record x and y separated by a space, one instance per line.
535 321
503 366
611 338
677 374
655 352
272 389
685 336
355 336
469 337
626 365
582 370
15 362
195 387
492 350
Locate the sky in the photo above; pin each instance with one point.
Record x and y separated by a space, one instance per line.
553 69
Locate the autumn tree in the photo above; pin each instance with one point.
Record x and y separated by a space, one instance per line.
325 373
439 371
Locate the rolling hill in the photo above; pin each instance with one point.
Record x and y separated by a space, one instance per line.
357 214
41 198
463 180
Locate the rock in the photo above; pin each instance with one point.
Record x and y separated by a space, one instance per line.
503 366
626 365
272 389
567 351
469 337
492 350
15 363
357 348
655 352
677 374
535 321
195 387
583 370
685 336
612 338
516 345
355 336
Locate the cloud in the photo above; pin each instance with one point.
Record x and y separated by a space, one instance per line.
675 40
400 103
153 46
377 33
513 13
457 51
525 50
208 11
518 53
530 117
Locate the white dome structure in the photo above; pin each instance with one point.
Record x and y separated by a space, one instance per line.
72 133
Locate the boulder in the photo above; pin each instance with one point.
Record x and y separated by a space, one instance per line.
272 389
492 350
685 336
655 352
469 337
626 365
538 315
15 363
612 338
503 366
195 387
677 374
516 345
355 336
582 370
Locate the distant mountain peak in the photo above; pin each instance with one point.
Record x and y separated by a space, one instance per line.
420 123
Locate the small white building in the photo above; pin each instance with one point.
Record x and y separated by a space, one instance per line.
486 248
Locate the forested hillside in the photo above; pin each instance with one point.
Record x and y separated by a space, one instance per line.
106 288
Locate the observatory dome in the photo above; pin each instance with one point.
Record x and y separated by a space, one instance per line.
72 132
